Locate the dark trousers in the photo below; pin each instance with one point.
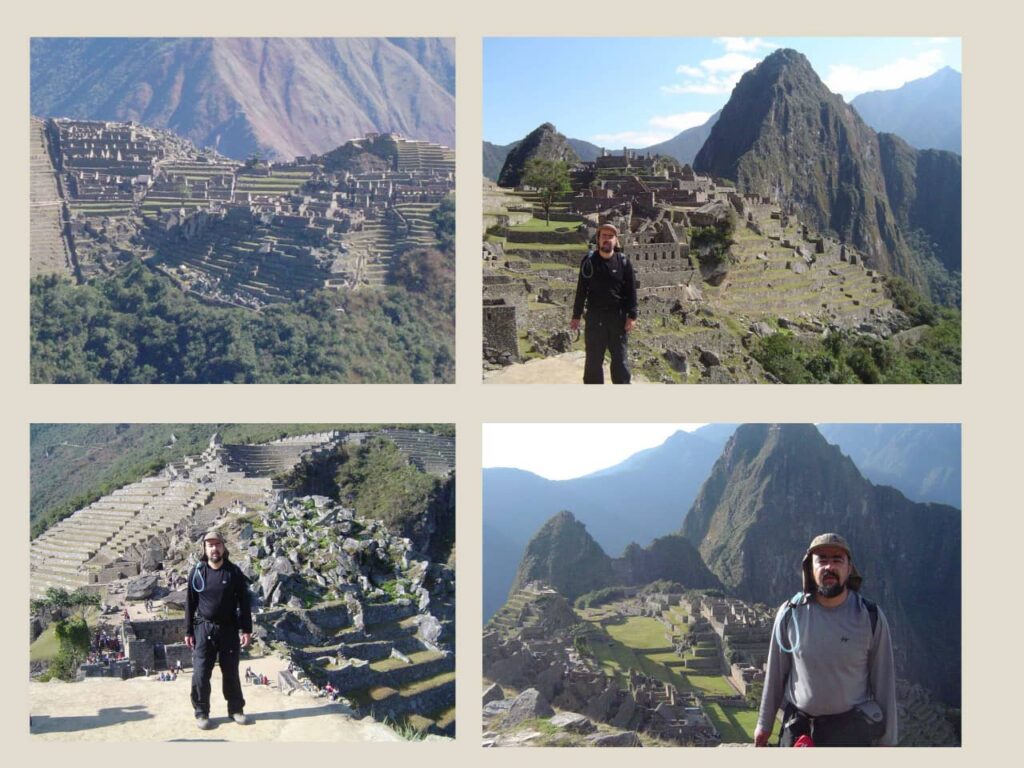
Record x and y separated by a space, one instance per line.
213 644
605 330
848 729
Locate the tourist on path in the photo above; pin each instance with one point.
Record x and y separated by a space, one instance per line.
607 289
830 662
217 609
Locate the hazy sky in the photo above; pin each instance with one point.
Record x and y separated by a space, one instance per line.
638 91
563 451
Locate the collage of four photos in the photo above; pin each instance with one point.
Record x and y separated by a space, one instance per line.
655 211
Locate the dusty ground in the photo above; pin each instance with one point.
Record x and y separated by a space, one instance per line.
558 369
141 709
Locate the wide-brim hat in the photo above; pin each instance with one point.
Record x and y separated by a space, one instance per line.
211 535
827 540
608 225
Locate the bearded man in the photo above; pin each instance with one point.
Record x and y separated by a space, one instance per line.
830 663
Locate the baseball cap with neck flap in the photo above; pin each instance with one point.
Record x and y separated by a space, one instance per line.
827 540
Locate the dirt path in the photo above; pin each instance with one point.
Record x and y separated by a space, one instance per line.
566 368
141 709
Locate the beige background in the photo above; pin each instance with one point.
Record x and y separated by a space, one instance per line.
986 403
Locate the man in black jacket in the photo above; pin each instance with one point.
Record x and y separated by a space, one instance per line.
217 609
607 288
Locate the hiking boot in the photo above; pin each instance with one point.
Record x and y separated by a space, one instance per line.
241 718
203 723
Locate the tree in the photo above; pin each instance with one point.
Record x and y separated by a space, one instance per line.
550 178
73 641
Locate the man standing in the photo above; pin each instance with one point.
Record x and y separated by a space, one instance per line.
607 288
830 662
217 609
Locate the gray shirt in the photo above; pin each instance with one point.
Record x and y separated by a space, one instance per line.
837 664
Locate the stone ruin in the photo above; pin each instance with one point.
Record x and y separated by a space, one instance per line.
531 643
238 234
350 602
777 273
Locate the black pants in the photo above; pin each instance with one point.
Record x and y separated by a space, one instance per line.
216 643
848 729
605 330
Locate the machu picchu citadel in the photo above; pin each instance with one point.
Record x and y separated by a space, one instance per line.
717 270
246 234
658 665
363 604
785 240
288 218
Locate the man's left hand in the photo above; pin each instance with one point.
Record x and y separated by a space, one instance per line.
630 324
246 637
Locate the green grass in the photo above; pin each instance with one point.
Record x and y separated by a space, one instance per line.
546 247
640 632
713 684
44 647
640 643
540 225
535 266
736 725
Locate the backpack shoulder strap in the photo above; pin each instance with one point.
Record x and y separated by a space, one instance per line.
872 612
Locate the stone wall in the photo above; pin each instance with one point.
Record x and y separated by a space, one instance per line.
500 329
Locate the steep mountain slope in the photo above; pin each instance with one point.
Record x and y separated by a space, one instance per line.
784 133
926 113
280 97
777 486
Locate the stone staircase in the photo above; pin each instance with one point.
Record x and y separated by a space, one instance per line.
434 454
59 557
772 280
47 245
420 690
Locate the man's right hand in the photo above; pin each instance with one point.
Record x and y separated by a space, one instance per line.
190 641
574 324
761 737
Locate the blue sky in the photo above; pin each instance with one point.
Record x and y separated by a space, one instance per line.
640 91
563 451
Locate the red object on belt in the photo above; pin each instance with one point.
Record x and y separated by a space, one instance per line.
804 741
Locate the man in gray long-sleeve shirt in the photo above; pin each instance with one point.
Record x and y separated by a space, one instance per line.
830 663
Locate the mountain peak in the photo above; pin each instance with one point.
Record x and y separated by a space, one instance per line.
543 142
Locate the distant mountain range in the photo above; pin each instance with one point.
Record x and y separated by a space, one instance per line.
683 147
635 501
772 489
784 134
925 113
655 488
278 97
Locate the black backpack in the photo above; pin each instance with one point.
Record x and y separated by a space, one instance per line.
802 597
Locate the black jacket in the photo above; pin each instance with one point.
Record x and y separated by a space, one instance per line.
605 285
224 598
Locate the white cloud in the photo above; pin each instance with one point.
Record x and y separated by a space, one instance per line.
851 81
719 75
630 138
683 69
744 44
660 128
